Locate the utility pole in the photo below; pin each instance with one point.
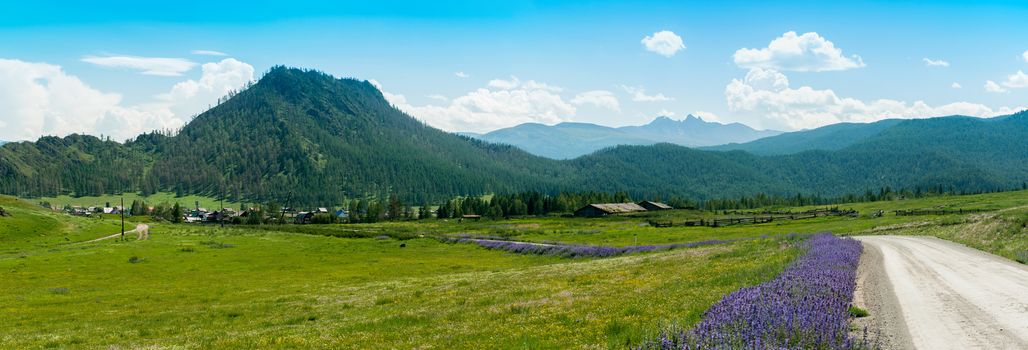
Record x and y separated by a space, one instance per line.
122 217
221 213
282 217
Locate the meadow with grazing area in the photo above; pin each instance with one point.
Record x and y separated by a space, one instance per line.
410 284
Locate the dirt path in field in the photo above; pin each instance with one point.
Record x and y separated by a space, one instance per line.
928 293
142 232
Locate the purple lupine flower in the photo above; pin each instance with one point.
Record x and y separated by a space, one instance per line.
806 307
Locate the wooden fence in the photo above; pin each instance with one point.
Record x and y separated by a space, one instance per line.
754 219
938 211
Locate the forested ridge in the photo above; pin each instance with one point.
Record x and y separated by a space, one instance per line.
305 137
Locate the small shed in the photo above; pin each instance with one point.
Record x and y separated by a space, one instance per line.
652 206
604 209
303 217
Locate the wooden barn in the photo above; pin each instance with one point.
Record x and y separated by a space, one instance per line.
653 206
596 210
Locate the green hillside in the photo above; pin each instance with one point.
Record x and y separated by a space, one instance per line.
828 138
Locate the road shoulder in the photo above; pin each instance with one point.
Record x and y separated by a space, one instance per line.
885 326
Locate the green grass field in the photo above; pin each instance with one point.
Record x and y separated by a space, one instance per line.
344 286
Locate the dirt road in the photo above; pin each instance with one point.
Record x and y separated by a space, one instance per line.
142 231
942 295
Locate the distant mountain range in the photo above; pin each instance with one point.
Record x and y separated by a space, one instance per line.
570 140
302 137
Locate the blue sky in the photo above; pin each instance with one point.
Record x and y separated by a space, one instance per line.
119 68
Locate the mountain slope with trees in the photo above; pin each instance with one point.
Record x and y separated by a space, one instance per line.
827 138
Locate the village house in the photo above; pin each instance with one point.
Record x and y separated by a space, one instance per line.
303 217
605 209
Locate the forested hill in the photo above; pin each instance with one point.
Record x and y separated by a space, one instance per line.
321 138
827 138
304 137
961 153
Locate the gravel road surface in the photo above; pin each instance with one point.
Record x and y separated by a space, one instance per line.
929 293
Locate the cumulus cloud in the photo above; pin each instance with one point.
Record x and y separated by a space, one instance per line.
955 85
765 99
639 94
599 98
1017 80
991 86
161 66
515 83
192 97
935 63
461 75
802 53
208 53
665 43
42 99
502 103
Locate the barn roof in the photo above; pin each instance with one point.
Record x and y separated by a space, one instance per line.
656 204
617 208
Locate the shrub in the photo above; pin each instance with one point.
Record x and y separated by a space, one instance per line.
857 312
1022 257
217 245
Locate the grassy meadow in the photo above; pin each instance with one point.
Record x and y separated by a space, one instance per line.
392 285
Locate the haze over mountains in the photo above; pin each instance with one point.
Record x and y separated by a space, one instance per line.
304 137
570 140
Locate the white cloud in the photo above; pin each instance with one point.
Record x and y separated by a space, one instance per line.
1017 80
42 99
639 94
803 53
765 99
955 85
503 103
666 113
461 75
599 98
208 53
161 66
708 116
192 97
935 63
991 86
665 43
1025 55
515 83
